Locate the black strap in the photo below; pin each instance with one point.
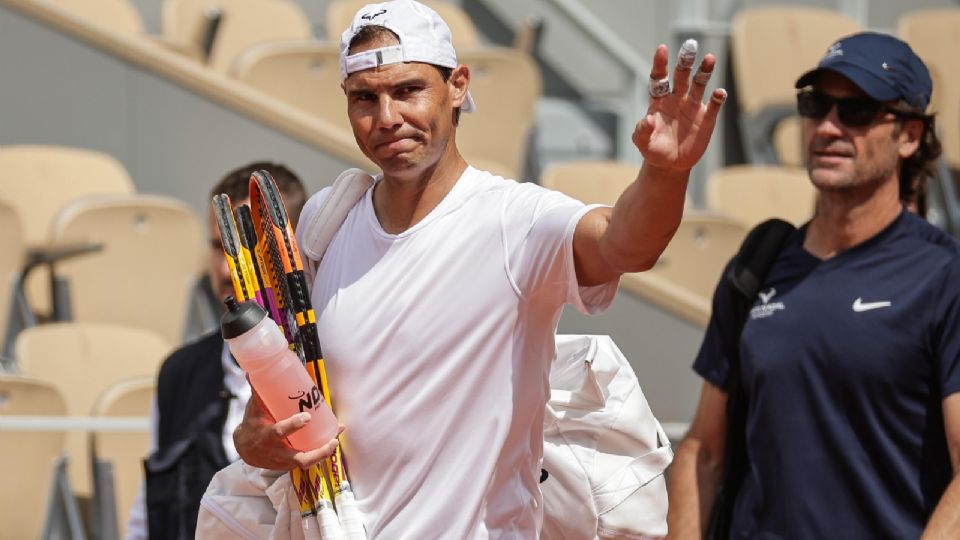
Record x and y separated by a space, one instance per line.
745 276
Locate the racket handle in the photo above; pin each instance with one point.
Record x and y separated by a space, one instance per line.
349 514
326 526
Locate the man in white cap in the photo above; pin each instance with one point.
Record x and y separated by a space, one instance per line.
439 295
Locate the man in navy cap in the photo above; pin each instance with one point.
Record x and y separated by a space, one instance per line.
850 357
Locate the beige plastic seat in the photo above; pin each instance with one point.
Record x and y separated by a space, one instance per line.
122 451
304 74
82 361
27 457
754 193
11 245
37 182
242 24
145 272
340 15
934 34
770 47
506 85
683 279
114 15
592 182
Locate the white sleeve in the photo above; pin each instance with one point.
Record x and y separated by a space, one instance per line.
538 229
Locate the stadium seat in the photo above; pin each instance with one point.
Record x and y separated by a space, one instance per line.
592 182
145 272
340 15
237 25
118 455
770 47
683 279
82 361
498 133
754 193
28 457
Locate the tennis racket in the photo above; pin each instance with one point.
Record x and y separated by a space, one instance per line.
319 520
278 249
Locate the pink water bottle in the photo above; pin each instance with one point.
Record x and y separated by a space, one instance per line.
276 373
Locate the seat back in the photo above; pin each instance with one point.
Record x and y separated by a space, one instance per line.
11 245
26 456
752 194
934 35
243 23
39 180
304 74
114 15
770 47
506 85
683 279
81 360
124 450
340 15
592 182
145 273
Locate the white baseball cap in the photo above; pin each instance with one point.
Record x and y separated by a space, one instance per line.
424 37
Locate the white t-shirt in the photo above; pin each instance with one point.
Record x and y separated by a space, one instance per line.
438 343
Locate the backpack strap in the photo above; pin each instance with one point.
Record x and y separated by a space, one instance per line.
746 274
317 231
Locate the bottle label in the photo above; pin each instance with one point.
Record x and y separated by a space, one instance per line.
308 400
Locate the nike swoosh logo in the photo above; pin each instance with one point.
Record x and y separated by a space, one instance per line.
859 305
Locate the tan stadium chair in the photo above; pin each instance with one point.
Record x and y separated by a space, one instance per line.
28 457
145 272
304 74
508 82
754 193
38 181
592 182
770 47
11 245
114 15
118 455
240 24
82 361
683 279
340 15
934 35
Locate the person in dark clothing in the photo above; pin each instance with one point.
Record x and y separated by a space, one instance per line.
850 356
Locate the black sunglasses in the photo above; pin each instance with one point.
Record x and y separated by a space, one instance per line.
854 112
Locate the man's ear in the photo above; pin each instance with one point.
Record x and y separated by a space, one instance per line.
910 136
458 82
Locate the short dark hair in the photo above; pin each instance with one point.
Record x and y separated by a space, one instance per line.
236 185
375 32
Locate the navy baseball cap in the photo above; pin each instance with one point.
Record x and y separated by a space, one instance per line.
881 65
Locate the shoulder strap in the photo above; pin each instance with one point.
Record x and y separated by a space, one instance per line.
745 276
316 233
346 191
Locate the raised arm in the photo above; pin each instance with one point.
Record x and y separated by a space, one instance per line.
671 137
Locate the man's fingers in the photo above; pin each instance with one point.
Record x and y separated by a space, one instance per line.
290 425
312 457
659 69
685 60
702 77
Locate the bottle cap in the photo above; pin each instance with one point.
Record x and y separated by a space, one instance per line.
240 317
